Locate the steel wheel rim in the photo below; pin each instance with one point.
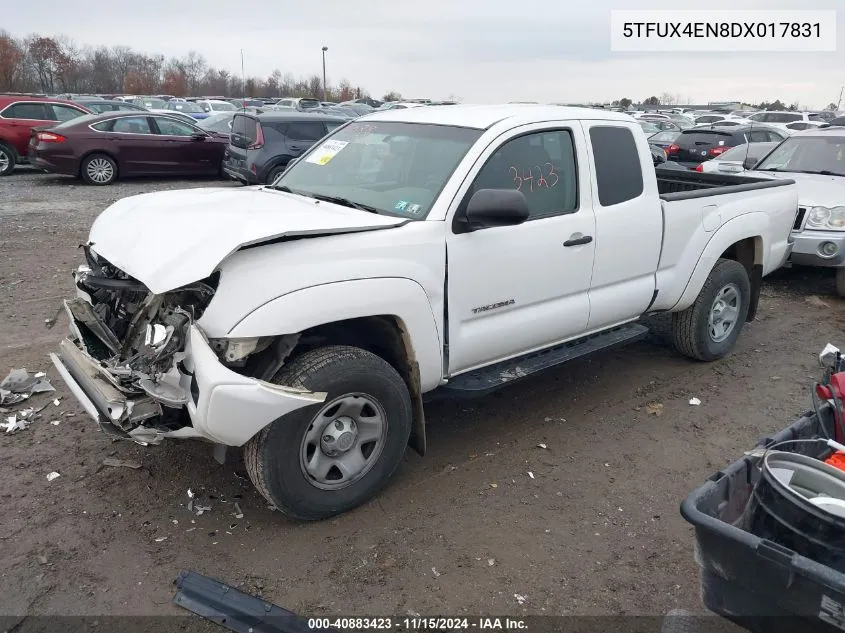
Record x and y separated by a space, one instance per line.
100 170
343 442
724 313
5 161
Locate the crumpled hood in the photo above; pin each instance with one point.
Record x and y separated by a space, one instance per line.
814 190
171 238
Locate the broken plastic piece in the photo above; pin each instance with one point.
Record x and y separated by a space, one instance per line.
238 512
235 610
125 463
825 358
53 475
19 385
694 402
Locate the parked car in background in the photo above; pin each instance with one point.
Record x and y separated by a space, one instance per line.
100 106
152 104
247 103
648 127
709 118
815 159
220 123
298 103
360 108
214 106
698 145
798 126
737 159
104 147
665 139
400 105
261 146
19 115
782 118
186 107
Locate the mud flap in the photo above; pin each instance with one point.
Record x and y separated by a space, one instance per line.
235 610
756 285
417 439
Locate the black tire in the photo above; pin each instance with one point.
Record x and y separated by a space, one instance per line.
272 457
274 173
691 328
8 159
109 171
840 282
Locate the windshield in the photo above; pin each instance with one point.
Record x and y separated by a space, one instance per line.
390 168
152 104
222 106
808 155
217 123
184 106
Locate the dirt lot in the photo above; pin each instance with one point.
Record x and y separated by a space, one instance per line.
595 531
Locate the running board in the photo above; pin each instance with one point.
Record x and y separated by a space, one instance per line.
486 379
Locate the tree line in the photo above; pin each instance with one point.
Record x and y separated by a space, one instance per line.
56 65
667 99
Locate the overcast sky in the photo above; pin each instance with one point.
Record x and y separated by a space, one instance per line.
478 50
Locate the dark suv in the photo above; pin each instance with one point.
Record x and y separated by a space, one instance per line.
262 145
699 144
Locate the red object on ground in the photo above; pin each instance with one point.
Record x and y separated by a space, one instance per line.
837 460
826 392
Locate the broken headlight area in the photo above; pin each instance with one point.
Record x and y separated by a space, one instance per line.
136 338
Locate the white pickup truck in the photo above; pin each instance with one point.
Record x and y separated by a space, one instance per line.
441 248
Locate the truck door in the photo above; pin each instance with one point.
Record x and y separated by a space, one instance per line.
513 289
629 223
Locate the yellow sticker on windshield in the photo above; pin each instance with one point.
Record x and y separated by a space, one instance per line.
326 152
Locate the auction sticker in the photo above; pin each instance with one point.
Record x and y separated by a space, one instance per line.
326 152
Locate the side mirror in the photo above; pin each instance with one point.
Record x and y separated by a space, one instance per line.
749 163
198 136
495 207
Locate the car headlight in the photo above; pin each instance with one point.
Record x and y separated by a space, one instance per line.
826 218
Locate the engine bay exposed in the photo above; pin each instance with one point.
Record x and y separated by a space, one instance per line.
135 336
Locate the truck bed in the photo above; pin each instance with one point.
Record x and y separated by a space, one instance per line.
676 184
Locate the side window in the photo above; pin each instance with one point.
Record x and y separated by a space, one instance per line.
103 126
171 127
774 136
760 116
759 136
333 125
540 165
306 130
619 173
31 111
64 113
132 125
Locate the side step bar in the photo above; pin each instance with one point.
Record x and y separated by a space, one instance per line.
487 379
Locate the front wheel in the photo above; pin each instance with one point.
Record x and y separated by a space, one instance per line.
840 282
7 160
709 328
328 458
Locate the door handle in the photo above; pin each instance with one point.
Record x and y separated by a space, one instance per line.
578 241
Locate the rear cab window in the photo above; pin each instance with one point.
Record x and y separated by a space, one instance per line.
619 172
244 130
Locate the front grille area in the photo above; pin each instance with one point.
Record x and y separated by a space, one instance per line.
799 219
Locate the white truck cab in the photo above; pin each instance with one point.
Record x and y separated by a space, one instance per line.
439 249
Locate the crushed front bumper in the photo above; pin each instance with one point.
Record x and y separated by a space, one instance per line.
223 406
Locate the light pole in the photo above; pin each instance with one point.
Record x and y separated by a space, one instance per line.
325 94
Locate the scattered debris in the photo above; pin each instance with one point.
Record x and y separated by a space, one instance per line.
55 422
543 446
160 539
57 402
530 474
13 425
520 598
494 485
813 300
238 512
271 507
121 463
53 475
555 420
200 509
412 613
694 402
491 562
42 559
19 385
435 572
174 521
654 408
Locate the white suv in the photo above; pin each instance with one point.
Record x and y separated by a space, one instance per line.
781 119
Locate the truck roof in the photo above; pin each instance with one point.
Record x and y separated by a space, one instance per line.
482 117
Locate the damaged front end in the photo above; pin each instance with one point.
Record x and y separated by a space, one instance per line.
126 347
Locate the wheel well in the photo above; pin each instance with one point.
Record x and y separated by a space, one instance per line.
749 253
98 151
11 148
385 336
276 161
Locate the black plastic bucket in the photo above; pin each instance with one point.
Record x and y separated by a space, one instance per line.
781 509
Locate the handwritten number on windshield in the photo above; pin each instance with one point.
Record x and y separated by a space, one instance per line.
546 179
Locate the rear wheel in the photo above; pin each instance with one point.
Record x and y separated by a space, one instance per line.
99 169
274 173
328 458
709 328
840 282
8 158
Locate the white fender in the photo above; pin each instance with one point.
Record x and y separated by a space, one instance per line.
327 303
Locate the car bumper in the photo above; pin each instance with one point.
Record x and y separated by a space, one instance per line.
807 249
238 172
54 165
224 407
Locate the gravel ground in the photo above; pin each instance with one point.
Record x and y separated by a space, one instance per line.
596 530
